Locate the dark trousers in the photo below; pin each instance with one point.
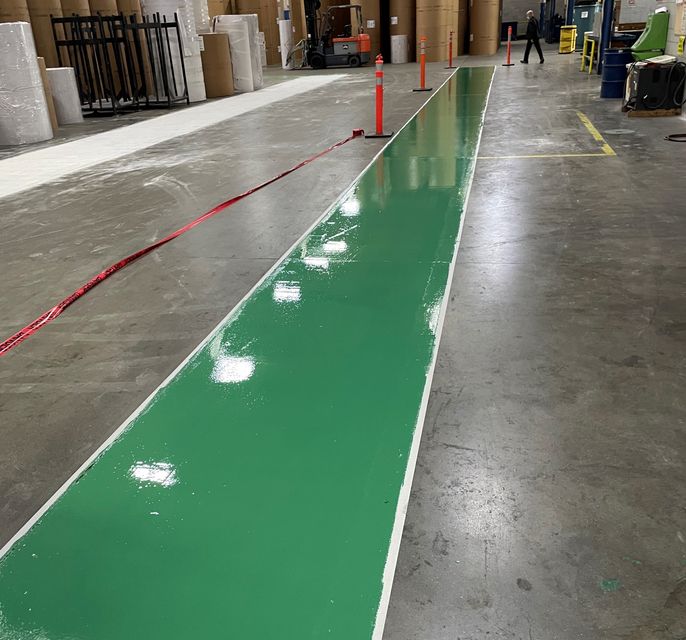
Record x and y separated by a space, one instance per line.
537 44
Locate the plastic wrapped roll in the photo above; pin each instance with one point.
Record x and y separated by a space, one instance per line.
65 95
400 49
239 41
24 116
285 42
261 43
251 22
201 13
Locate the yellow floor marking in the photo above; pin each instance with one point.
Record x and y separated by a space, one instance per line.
607 149
549 155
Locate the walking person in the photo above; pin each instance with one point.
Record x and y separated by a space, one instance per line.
532 38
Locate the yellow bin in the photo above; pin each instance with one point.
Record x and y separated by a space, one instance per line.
568 39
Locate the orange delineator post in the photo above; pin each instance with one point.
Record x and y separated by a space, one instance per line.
422 66
379 102
450 52
509 48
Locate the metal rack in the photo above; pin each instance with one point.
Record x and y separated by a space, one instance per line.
123 63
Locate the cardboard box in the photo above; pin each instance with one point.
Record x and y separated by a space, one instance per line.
14 11
216 65
48 94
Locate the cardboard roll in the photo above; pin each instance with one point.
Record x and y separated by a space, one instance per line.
76 7
14 11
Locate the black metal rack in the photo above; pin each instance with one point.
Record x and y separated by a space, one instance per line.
123 63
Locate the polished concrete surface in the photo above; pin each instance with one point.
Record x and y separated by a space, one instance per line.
548 500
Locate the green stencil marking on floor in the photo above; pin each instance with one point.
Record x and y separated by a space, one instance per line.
254 497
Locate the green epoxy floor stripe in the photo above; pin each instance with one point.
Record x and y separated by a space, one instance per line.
256 495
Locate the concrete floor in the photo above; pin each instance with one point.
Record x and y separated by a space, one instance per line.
549 497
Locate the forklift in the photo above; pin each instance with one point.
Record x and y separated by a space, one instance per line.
337 38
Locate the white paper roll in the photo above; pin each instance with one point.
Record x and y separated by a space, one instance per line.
285 43
400 49
65 95
239 42
24 116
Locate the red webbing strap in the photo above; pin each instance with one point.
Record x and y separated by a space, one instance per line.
57 310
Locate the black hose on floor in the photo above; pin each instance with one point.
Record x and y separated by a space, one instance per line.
676 137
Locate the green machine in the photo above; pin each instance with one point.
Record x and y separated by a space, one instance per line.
653 40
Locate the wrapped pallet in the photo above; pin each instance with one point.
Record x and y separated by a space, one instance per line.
24 115
41 24
485 18
14 11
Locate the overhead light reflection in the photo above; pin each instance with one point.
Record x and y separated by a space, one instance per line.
287 292
314 262
433 314
232 369
335 246
350 208
162 473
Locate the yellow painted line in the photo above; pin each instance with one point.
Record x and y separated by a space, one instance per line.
548 155
607 149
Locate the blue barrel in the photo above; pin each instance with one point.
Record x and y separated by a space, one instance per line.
614 72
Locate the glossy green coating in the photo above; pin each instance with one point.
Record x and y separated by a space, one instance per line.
254 497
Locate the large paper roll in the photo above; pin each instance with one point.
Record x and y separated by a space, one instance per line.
239 41
14 11
24 116
65 95
48 94
75 7
41 24
103 7
286 42
484 23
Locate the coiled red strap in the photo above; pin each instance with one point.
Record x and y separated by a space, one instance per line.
59 308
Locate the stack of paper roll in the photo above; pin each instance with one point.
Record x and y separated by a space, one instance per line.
14 11
24 115
485 17
239 41
403 22
41 24
190 47
65 95
103 7
223 24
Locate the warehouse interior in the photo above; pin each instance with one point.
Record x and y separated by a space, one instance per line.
341 321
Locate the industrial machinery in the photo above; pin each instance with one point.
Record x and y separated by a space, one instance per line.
336 38
653 86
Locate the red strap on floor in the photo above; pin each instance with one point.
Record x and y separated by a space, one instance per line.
57 310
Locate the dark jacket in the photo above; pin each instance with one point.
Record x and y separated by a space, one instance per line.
532 29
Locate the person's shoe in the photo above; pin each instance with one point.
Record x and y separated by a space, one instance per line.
542 61
524 61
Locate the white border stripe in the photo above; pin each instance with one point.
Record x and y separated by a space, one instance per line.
405 490
34 168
